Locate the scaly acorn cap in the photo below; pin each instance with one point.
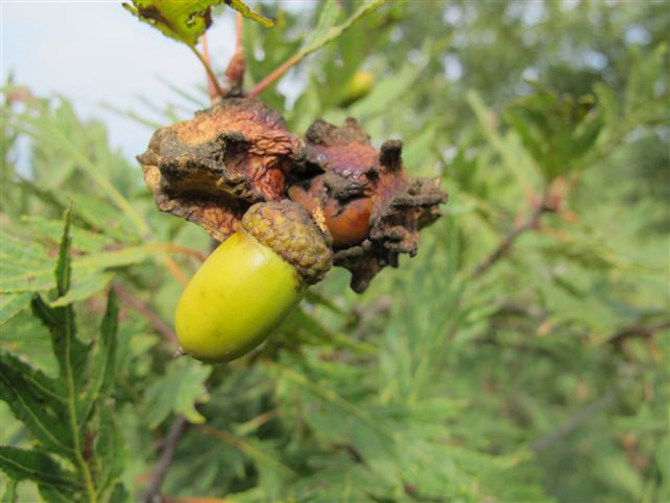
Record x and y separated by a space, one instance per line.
288 230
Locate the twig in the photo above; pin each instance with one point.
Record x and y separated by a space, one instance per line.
212 90
531 222
274 76
152 494
174 269
637 331
210 73
186 251
238 32
156 322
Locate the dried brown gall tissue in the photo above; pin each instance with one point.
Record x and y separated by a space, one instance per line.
212 168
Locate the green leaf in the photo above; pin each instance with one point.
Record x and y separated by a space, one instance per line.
51 230
10 495
123 256
24 266
52 494
182 21
338 479
37 402
644 77
255 450
102 364
109 450
84 289
243 9
557 130
185 21
330 12
315 331
512 154
178 392
101 216
119 494
69 350
12 304
56 411
63 266
66 137
35 381
326 31
24 464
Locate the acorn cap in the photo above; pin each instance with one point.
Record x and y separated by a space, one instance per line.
287 228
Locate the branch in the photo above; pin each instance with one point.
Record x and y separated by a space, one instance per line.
211 76
274 76
531 222
156 322
238 32
637 331
212 91
174 269
197 254
152 494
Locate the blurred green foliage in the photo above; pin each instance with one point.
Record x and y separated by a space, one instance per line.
537 374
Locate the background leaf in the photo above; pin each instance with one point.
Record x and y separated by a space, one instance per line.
186 21
35 465
178 392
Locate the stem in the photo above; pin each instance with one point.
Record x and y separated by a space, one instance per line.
638 331
531 222
156 322
208 69
174 270
274 76
72 410
238 32
152 494
211 85
186 251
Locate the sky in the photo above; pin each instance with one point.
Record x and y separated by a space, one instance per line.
94 52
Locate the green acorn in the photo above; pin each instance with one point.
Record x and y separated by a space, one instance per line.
251 282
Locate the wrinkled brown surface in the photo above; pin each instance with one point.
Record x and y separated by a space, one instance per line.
372 208
211 169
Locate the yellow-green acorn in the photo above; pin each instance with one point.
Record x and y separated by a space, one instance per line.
358 87
251 282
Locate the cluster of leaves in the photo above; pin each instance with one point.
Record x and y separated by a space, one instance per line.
69 415
535 374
